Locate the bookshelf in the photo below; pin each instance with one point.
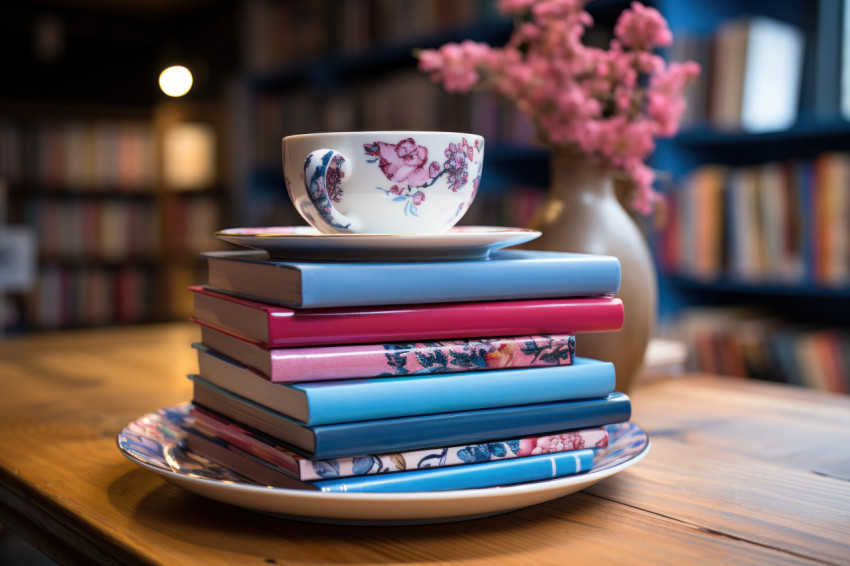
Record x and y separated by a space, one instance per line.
113 238
753 268
86 138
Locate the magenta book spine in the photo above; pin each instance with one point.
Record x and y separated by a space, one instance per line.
414 358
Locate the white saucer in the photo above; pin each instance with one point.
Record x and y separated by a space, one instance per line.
304 243
155 442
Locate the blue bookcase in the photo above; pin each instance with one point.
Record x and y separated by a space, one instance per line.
800 320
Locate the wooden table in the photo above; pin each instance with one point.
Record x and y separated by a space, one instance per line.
739 471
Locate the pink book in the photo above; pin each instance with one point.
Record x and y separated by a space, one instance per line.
228 433
278 326
347 361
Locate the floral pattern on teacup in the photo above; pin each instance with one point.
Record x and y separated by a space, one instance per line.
406 164
325 185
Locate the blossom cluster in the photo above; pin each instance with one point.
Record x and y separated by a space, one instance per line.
609 103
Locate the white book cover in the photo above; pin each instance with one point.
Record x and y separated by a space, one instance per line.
772 77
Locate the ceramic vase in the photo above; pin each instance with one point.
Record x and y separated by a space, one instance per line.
583 214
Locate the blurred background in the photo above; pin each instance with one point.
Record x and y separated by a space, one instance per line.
110 188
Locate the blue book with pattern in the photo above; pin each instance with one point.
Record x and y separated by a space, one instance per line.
330 402
466 476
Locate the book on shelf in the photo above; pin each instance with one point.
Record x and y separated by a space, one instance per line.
318 363
781 222
506 274
409 433
227 432
751 91
745 342
486 474
279 326
331 402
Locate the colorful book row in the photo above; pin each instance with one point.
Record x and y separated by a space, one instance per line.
79 155
95 229
314 403
782 222
90 296
300 381
743 343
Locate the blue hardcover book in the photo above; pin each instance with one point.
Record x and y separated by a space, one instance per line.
329 402
505 274
505 472
468 476
408 433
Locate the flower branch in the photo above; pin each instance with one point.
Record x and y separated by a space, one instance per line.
607 103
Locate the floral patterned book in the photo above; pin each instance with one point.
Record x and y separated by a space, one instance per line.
317 363
316 403
229 434
484 474
276 326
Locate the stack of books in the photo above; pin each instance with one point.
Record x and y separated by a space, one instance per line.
404 376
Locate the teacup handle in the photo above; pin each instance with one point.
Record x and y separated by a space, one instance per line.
325 172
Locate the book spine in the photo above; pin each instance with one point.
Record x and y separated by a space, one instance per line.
468 477
445 321
392 435
416 358
332 402
270 450
327 285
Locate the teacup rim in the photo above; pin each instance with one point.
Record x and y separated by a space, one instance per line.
371 133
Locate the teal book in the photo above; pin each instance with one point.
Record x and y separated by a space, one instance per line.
505 274
411 432
466 476
330 402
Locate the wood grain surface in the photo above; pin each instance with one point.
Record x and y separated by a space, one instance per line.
739 471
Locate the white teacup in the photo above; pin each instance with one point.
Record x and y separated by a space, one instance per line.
403 182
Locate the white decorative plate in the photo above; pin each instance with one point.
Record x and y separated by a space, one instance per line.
155 442
304 242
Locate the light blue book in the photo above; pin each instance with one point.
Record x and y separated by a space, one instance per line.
409 433
503 472
331 402
505 274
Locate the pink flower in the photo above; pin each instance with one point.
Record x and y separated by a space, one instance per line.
609 104
550 444
641 27
401 162
454 64
502 356
418 198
